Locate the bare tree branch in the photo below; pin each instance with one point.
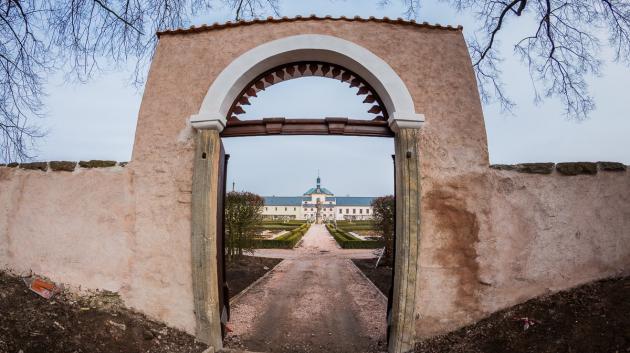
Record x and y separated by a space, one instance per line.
562 50
79 38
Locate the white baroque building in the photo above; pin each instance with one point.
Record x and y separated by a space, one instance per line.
316 205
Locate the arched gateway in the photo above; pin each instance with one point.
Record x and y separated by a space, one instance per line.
319 49
287 58
471 240
407 70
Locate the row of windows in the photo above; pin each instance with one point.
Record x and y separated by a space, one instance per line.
354 210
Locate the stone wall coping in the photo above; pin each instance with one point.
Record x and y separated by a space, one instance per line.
64 166
229 24
564 168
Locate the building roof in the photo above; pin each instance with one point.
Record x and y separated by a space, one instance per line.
318 190
297 201
283 200
354 201
217 26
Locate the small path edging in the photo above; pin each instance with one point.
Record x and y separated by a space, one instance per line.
366 277
241 293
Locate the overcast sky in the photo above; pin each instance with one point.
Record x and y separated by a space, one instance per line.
97 120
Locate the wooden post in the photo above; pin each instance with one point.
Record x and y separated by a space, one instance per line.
204 237
402 338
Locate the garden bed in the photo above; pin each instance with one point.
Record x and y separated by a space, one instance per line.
245 270
380 276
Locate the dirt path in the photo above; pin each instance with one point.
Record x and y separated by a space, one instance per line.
314 301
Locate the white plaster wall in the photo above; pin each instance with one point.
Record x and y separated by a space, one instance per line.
358 214
554 232
517 236
76 228
280 211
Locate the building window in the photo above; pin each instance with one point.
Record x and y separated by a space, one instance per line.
294 208
276 208
367 211
347 210
361 211
340 210
354 210
285 208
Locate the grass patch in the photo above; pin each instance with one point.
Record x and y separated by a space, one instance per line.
281 225
277 227
349 241
351 226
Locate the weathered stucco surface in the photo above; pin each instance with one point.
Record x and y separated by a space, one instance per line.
492 241
489 238
76 227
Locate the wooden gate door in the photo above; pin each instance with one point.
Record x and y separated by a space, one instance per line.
224 295
390 293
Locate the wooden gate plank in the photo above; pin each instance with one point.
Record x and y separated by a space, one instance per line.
408 194
204 236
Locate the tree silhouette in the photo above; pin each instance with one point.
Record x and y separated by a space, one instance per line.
384 209
243 217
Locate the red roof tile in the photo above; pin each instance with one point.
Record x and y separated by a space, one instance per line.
216 25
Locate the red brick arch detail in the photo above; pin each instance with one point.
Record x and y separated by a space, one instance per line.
375 127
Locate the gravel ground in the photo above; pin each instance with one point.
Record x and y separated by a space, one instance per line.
314 301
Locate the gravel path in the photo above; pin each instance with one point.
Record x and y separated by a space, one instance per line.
313 301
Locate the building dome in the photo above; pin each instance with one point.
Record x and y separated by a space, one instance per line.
318 189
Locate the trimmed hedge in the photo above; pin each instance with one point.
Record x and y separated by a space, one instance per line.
363 244
285 241
277 227
348 241
352 228
281 224
350 223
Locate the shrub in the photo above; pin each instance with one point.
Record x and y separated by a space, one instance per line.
243 215
384 221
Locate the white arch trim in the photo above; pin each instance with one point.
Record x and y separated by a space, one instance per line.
307 47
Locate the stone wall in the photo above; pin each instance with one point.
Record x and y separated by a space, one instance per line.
77 223
515 232
74 225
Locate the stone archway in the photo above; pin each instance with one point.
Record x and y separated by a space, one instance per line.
211 119
307 47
